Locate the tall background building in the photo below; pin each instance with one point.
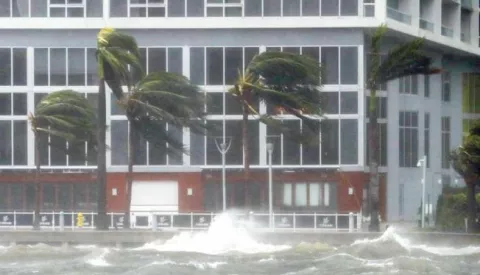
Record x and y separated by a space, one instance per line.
49 45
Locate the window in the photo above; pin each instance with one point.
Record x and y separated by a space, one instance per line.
291 8
349 141
308 195
330 64
13 66
446 142
66 8
426 138
221 64
65 67
339 7
147 8
369 8
119 142
224 8
409 85
426 85
330 141
348 102
408 139
310 7
14 8
349 65
157 59
13 129
446 87
145 153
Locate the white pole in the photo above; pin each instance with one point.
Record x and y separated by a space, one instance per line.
424 183
270 191
224 188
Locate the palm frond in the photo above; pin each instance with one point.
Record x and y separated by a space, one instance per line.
65 114
116 52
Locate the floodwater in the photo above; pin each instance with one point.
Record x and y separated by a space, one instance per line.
228 249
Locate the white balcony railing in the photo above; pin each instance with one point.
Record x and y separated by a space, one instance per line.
426 25
290 222
446 31
399 16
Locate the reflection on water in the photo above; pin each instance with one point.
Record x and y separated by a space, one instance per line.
227 248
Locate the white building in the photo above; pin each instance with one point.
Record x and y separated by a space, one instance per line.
49 45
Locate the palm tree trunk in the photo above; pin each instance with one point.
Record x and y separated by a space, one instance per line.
36 219
374 183
246 149
128 186
102 158
472 205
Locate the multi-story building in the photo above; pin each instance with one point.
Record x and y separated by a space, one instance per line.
49 45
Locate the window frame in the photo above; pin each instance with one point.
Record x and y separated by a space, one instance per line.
410 131
67 6
324 196
146 6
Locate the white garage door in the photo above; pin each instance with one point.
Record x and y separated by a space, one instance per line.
153 196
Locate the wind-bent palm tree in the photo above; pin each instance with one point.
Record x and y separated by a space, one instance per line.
282 80
159 99
68 116
403 60
115 53
466 162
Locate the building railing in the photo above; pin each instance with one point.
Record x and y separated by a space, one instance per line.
399 16
426 25
61 221
446 31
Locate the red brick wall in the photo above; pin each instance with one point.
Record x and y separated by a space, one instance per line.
194 203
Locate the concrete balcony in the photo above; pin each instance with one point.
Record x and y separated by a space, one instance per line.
426 25
446 31
399 16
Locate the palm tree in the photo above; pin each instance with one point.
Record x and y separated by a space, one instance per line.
403 60
115 53
159 99
66 115
284 81
466 162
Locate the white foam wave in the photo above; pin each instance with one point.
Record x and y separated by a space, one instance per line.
198 265
99 260
391 235
223 236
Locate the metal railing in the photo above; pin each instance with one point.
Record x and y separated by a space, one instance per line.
399 16
446 31
350 222
426 25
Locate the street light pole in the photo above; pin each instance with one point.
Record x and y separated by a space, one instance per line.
423 162
270 191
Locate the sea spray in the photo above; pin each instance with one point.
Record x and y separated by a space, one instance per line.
391 235
224 235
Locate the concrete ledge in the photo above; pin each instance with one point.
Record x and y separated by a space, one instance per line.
138 238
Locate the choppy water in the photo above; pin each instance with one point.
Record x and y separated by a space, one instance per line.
226 249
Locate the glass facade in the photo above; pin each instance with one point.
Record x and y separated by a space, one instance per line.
214 70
